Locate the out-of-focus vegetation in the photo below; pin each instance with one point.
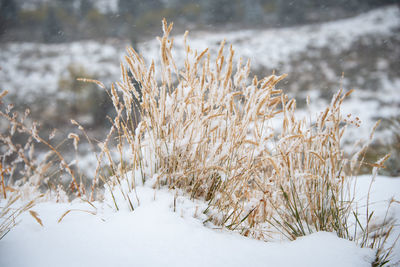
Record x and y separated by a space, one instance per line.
61 20
82 98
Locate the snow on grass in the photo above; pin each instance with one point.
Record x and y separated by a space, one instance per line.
155 235
272 47
31 70
368 106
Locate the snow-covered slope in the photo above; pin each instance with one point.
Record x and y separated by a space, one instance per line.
33 70
268 48
37 68
155 235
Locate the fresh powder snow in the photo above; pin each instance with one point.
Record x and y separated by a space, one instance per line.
159 233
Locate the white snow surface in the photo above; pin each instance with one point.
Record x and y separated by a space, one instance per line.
154 235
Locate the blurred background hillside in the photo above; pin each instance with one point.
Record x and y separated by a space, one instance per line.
52 21
45 45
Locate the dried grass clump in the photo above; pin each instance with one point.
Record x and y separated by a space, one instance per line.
19 162
211 131
23 175
235 142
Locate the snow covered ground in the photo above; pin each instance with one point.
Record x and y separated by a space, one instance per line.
155 235
268 48
31 70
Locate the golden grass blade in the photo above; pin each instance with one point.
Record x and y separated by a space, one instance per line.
35 215
68 211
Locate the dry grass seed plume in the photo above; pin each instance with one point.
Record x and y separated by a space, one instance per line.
210 130
207 130
22 173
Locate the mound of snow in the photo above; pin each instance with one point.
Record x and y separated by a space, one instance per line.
156 235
